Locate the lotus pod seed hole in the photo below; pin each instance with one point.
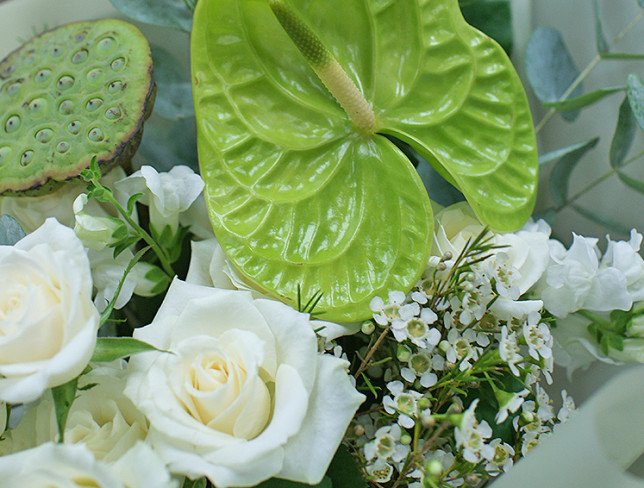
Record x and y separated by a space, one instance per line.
26 157
80 56
38 105
8 71
115 86
62 147
44 135
118 64
106 44
113 113
93 104
94 74
56 52
80 37
74 127
42 75
66 107
95 135
65 82
12 124
14 87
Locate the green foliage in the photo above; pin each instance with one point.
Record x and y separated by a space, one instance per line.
600 39
550 67
111 348
10 231
560 175
64 396
635 92
344 471
174 90
277 483
298 194
582 101
623 136
166 13
494 17
198 483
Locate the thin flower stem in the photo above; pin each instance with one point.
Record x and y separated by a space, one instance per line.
587 70
365 362
611 172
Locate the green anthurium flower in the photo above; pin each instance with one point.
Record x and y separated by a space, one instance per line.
294 102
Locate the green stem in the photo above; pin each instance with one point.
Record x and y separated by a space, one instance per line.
601 179
582 76
163 257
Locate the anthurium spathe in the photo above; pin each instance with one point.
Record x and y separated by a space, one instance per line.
293 102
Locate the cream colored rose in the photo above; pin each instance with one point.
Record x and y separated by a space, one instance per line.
101 418
63 465
244 396
48 323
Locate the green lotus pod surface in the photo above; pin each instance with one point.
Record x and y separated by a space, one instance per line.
78 91
294 101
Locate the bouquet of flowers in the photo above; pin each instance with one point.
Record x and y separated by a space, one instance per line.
297 312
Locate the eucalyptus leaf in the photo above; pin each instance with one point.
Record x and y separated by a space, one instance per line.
166 13
278 483
593 216
559 153
632 182
560 175
584 100
344 470
640 3
111 348
64 396
174 89
623 136
167 143
550 67
600 39
635 92
621 56
494 17
305 194
10 231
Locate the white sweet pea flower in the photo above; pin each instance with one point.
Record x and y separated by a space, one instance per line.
96 232
48 323
244 395
31 212
624 256
166 194
101 418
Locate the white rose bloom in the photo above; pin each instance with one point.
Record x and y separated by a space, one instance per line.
244 396
101 418
66 466
31 212
48 323
209 266
166 194
56 466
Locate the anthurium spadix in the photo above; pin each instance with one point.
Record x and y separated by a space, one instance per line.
293 101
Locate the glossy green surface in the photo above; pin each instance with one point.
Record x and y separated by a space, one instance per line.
77 91
297 195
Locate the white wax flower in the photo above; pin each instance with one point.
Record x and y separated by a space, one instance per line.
31 212
101 418
48 323
244 395
209 266
166 194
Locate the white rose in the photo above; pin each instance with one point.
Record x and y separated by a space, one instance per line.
244 396
101 418
67 465
48 323
31 212
209 266
166 194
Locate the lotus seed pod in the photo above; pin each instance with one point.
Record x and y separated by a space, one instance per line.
72 93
